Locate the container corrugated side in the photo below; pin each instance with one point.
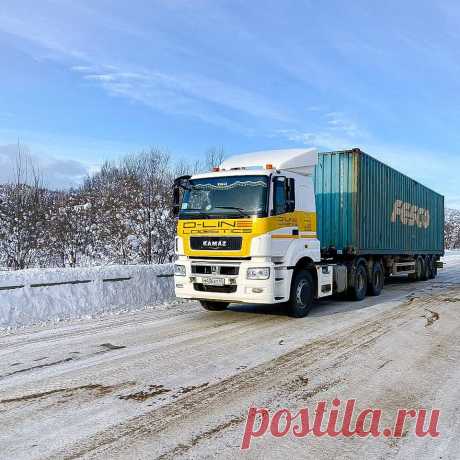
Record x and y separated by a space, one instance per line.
355 199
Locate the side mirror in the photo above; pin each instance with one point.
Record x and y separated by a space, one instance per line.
176 200
180 183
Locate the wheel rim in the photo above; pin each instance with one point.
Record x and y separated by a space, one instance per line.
302 293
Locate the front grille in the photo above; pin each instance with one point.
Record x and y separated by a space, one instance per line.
228 289
215 270
218 243
228 270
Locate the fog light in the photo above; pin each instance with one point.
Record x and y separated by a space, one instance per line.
179 285
179 270
257 290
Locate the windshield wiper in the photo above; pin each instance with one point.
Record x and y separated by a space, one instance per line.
195 211
210 212
240 210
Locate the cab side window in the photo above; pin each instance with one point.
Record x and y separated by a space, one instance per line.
279 197
283 195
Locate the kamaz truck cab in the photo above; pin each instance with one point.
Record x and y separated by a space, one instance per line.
246 233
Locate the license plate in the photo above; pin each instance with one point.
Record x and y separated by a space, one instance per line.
213 281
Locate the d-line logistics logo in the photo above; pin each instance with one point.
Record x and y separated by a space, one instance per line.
219 226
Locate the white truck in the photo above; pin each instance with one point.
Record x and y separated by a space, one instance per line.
247 231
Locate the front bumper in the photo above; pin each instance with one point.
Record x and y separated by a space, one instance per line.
237 288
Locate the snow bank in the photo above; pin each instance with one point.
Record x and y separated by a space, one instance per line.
39 295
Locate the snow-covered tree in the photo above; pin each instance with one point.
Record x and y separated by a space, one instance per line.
23 216
120 214
452 229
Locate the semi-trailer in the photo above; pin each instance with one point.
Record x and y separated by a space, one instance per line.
289 226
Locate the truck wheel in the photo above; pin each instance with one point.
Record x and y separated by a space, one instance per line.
302 293
417 276
214 306
377 281
359 288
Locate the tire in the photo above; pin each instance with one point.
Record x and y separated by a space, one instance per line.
358 290
302 293
434 269
417 276
426 268
431 264
211 305
377 280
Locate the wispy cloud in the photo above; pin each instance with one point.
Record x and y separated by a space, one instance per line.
56 172
330 74
333 130
191 94
339 122
431 168
186 94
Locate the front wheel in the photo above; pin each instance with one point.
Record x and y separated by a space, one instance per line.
211 305
302 293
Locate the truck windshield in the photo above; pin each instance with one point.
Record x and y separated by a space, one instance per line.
234 196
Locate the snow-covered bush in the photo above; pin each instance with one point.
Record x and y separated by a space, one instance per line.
121 214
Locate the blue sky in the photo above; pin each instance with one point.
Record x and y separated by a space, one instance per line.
83 81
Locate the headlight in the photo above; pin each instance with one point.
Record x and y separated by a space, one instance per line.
258 273
179 270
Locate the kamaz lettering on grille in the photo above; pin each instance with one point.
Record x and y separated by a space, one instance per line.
214 244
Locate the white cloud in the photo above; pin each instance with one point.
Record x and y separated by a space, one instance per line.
192 94
56 172
339 131
334 131
339 122
188 94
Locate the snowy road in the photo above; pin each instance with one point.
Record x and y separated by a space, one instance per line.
178 382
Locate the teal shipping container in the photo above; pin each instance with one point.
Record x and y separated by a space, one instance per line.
366 207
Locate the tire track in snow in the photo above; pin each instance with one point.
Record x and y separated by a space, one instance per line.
281 372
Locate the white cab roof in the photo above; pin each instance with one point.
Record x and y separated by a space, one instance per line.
300 161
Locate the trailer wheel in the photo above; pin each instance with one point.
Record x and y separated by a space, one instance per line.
210 305
433 268
377 281
302 293
429 261
417 276
426 268
359 288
